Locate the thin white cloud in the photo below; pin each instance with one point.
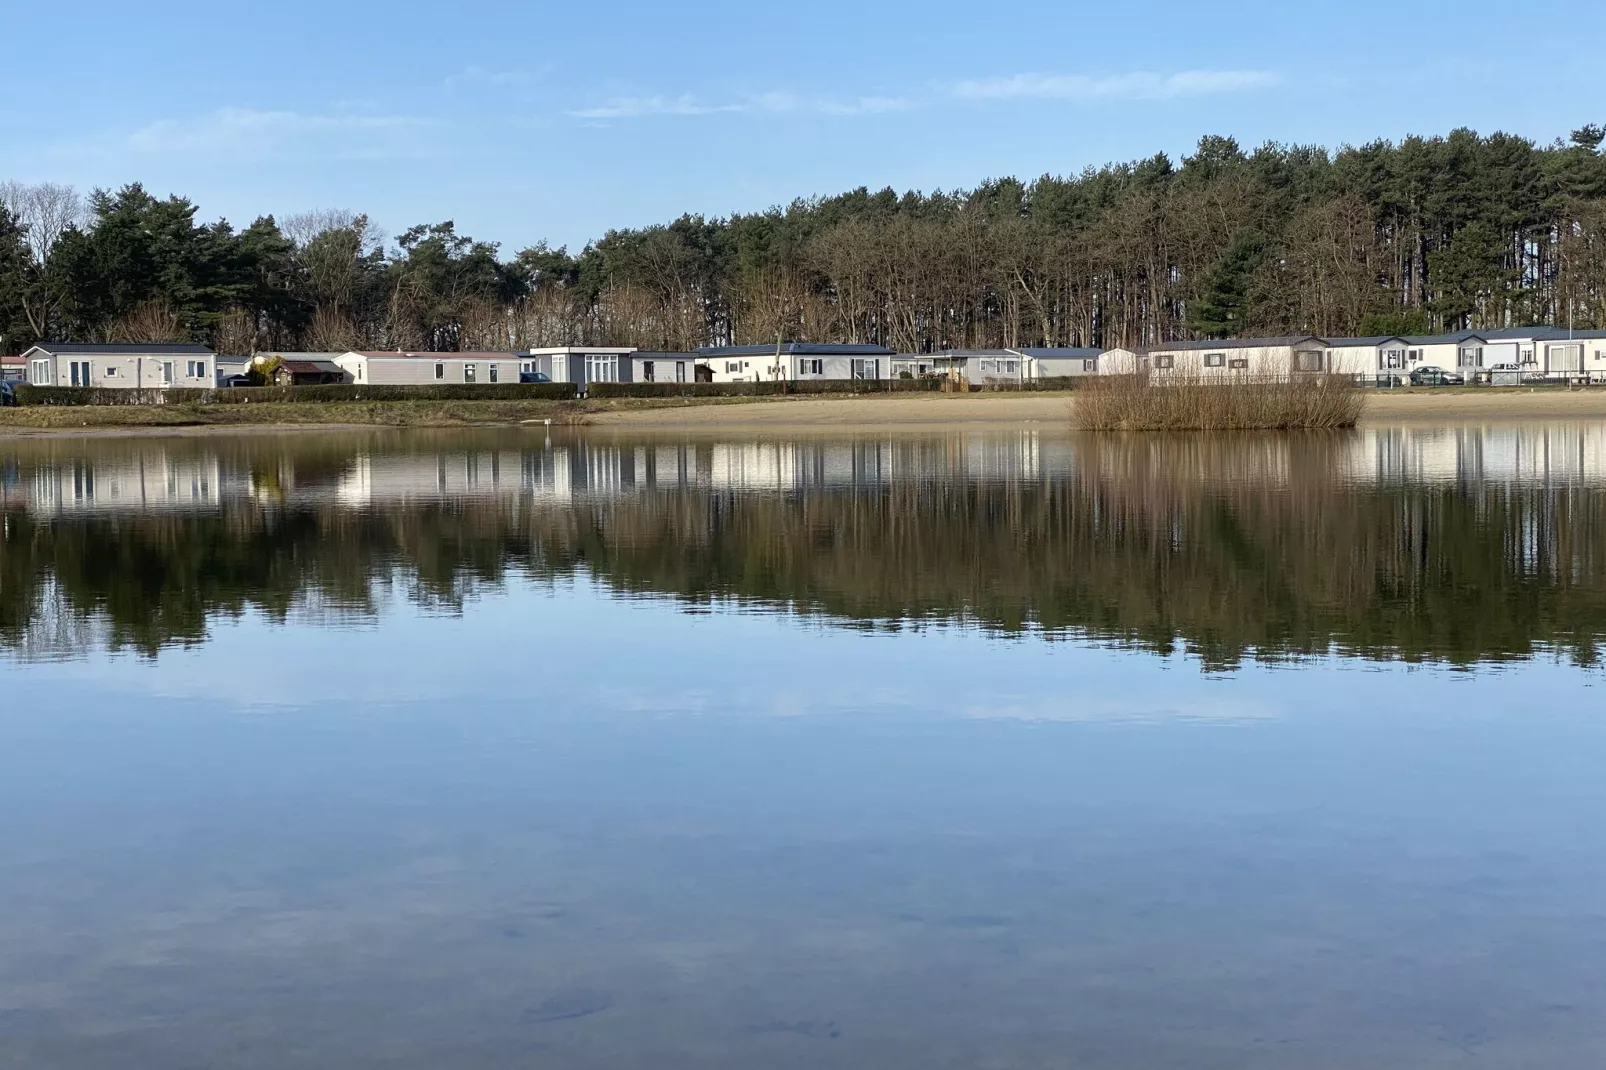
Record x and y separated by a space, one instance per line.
637 107
1136 85
865 106
250 132
477 75
776 102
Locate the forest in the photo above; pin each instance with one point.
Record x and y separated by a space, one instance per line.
1427 234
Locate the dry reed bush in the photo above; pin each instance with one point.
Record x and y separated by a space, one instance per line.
1147 402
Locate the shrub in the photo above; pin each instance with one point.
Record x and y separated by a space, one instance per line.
1181 403
80 395
1048 382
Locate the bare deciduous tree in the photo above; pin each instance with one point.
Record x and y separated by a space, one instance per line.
331 332
45 211
149 322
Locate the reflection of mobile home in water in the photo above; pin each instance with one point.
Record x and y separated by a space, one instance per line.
152 483
1538 453
386 478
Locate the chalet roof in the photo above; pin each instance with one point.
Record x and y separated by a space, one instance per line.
1369 340
798 349
132 349
1035 352
1451 338
397 354
1235 343
1063 352
312 367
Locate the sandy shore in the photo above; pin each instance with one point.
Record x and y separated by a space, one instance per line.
921 412
1480 405
864 414
871 412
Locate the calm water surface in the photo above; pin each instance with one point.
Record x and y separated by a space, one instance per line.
504 749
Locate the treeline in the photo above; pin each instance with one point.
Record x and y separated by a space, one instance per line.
1428 234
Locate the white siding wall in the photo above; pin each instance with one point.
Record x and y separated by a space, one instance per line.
1118 362
1358 360
766 368
1595 361
1056 367
1259 361
663 369
420 371
126 372
1563 358
739 369
1439 355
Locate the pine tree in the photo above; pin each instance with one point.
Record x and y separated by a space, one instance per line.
1222 310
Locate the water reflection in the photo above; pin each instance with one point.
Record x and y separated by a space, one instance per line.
1460 544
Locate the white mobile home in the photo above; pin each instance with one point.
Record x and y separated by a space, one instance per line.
1368 358
129 367
1060 362
647 366
915 365
1465 350
1260 358
386 368
225 367
1560 352
1002 367
797 362
1553 352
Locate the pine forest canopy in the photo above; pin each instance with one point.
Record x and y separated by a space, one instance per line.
1440 233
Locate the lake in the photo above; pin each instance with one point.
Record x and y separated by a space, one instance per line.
531 747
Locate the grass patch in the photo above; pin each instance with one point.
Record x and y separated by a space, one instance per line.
1182 403
377 413
370 414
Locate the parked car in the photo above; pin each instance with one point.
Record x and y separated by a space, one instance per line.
236 380
1429 375
534 377
8 393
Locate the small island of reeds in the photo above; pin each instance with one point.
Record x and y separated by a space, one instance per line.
1147 402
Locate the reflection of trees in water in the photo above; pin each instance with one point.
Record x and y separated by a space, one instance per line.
1149 543
156 581
1229 548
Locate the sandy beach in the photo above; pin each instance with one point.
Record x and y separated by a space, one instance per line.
894 413
921 412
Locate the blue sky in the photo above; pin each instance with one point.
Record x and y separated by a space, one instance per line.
531 121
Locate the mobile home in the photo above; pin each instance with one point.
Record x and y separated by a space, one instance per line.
647 366
400 368
581 364
128 367
1260 358
797 362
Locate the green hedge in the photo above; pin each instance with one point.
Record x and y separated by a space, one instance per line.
763 389
80 395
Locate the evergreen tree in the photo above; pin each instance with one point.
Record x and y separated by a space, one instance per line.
1222 309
